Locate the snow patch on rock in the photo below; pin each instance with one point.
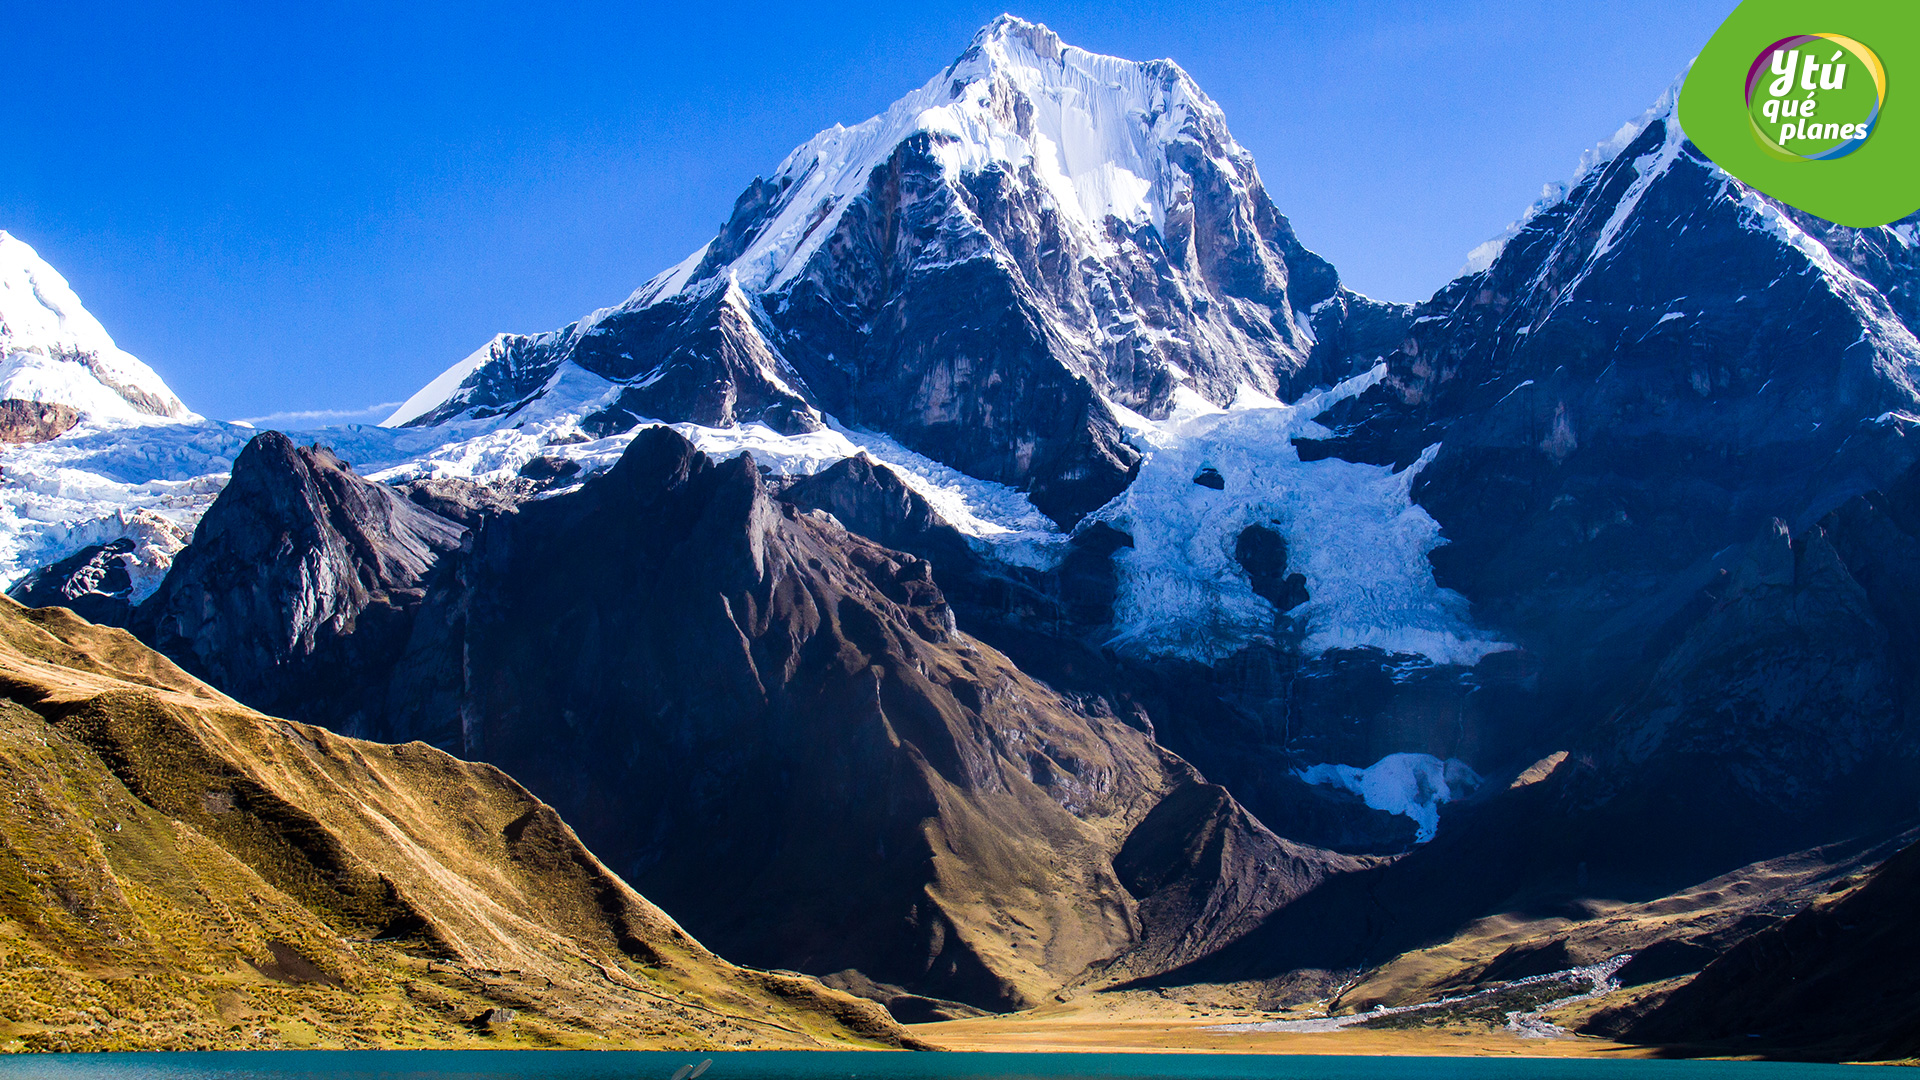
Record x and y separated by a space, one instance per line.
1411 785
1591 162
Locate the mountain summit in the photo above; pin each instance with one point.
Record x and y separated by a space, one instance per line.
997 271
56 353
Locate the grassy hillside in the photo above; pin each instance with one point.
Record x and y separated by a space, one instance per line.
177 871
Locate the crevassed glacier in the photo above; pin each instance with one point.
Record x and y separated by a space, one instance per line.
1352 529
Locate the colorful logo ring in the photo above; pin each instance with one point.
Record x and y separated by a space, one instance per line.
1761 65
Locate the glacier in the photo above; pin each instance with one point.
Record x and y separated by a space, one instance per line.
1352 529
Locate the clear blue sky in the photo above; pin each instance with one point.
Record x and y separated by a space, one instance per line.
320 206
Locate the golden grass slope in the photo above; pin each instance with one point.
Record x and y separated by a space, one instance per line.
177 871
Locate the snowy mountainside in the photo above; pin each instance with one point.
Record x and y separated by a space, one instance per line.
987 272
1651 369
1660 351
53 350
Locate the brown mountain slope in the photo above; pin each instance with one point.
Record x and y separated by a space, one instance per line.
767 723
772 726
179 871
1838 981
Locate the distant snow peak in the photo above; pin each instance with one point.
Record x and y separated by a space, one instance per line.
53 350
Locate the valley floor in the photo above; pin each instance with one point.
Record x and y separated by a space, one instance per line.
1138 1023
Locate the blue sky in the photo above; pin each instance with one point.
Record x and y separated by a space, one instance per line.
317 207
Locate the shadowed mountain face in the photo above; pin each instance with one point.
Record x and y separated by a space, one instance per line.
774 723
299 594
178 871
1786 708
1651 371
1774 746
1836 982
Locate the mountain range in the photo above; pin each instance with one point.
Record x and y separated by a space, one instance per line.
1005 564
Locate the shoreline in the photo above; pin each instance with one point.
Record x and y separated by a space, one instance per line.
1028 1033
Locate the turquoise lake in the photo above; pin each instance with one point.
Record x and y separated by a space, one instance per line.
800 1065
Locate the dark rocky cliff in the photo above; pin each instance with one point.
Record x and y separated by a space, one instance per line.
299 587
775 725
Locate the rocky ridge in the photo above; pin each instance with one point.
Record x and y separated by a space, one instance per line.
747 708
307 573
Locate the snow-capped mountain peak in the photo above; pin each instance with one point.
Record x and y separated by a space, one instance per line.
55 351
994 270
1094 129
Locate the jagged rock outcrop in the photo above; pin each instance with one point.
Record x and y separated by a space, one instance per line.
180 872
93 583
298 589
469 503
35 421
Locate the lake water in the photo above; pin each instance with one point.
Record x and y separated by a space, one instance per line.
801 1065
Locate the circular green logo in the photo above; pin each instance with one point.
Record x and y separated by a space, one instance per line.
1815 97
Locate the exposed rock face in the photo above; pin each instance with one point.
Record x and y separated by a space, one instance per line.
1650 371
954 272
1779 724
92 583
1262 553
1248 722
35 421
775 724
1785 701
748 703
703 357
469 503
268 879
299 587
